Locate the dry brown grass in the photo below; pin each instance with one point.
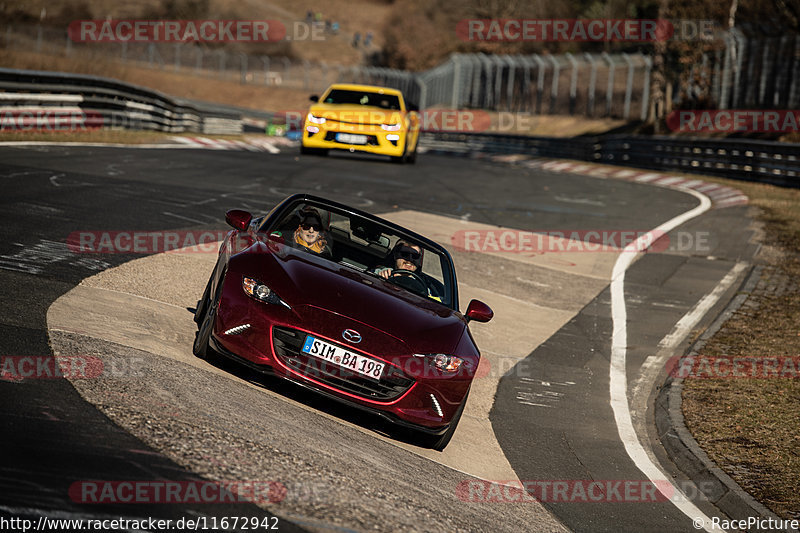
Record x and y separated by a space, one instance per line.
750 426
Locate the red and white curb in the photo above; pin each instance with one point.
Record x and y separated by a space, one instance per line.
272 145
720 195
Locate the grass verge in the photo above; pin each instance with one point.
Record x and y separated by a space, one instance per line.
749 426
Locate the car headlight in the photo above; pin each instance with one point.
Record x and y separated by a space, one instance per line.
259 291
391 127
444 362
316 120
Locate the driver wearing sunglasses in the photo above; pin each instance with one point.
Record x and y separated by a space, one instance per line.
407 256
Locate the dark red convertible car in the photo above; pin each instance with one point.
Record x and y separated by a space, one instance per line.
346 304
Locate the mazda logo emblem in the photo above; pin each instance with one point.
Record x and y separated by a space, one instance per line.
351 335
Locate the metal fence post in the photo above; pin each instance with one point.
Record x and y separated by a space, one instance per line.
741 47
455 97
648 67
512 67
198 59
287 64
726 72
794 90
498 82
626 112
610 87
539 82
177 65
243 68
477 73
573 83
554 85
223 59
423 92
592 84
265 63
780 78
762 85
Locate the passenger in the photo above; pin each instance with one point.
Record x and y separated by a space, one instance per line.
309 234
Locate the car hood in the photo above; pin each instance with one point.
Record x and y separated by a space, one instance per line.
327 297
356 114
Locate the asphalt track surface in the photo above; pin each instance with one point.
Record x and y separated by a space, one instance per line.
52 437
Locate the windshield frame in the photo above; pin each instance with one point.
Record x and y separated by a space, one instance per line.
269 224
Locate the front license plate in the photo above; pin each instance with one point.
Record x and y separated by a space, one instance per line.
349 138
343 358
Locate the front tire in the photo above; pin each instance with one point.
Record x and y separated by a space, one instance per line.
205 316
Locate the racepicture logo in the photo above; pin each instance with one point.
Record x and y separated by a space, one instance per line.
176 492
176 31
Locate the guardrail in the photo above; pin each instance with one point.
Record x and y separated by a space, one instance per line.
743 159
105 103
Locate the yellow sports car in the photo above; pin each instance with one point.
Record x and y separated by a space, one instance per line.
362 118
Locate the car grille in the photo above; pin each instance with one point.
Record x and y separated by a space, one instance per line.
288 343
372 140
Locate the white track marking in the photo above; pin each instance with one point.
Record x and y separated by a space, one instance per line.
618 385
184 218
683 327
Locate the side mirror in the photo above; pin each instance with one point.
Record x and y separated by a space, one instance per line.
479 311
238 219
314 98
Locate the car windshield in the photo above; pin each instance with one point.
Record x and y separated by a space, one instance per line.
367 246
374 99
